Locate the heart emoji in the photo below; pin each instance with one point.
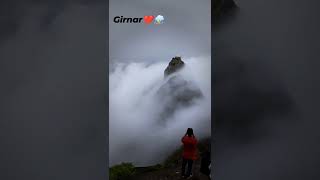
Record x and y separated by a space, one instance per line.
148 19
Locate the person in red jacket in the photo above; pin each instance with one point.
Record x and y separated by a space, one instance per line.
189 152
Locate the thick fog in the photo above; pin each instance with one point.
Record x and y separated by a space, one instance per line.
142 128
136 132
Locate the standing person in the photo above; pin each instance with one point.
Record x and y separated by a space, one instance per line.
189 154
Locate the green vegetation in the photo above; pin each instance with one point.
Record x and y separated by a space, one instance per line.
126 171
122 171
173 159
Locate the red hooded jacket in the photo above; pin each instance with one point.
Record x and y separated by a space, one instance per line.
189 147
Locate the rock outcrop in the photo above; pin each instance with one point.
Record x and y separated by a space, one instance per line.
175 65
176 92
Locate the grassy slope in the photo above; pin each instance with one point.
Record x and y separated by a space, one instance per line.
169 169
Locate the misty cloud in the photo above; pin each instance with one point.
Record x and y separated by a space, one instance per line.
136 124
140 117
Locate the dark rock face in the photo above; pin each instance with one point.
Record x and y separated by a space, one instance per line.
176 92
175 65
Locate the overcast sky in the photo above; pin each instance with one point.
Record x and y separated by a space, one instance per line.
186 30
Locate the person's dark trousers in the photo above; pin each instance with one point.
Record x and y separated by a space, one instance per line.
184 163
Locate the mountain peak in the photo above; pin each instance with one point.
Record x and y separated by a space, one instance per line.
174 65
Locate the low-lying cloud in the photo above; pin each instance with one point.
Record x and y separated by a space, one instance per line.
137 132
